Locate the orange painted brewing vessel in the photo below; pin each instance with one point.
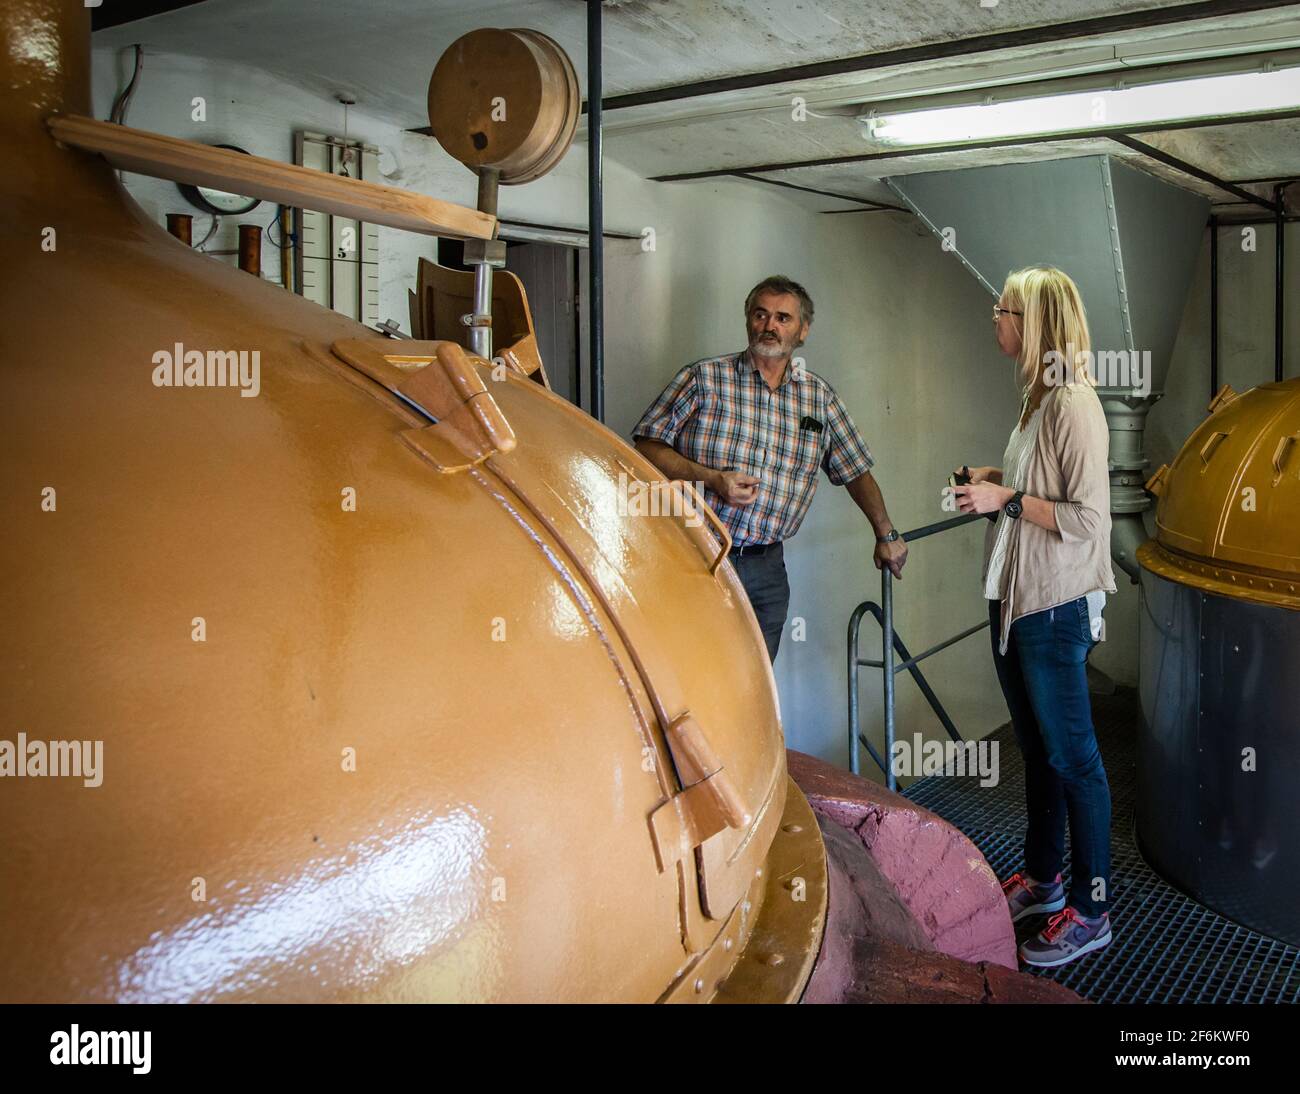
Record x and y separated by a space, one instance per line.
396 700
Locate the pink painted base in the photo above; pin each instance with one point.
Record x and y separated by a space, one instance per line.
914 914
939 874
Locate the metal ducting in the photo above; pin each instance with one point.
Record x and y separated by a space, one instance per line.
1128 239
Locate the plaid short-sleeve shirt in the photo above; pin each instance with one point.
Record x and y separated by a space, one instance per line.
720 412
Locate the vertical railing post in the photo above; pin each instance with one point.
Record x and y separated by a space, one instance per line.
855 629
887 663
891 645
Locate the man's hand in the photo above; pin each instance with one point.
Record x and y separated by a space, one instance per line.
982 497
735 487
893 555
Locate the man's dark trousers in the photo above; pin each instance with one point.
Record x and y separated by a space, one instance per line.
768 590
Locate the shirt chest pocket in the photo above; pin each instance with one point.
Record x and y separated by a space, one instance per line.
809 448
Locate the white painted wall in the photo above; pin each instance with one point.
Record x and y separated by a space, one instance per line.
902 332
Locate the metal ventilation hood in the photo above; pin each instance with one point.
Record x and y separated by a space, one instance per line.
1130 242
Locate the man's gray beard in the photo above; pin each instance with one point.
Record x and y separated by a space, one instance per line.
768 349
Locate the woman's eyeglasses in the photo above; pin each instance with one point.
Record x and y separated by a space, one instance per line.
999 311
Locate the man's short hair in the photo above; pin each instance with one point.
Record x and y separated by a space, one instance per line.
780 284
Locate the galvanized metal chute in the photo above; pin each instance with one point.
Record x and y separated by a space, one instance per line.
1128 239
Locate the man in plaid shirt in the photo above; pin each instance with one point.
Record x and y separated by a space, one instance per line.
754 427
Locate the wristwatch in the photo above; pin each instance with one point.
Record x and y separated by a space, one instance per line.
889 537
1013 508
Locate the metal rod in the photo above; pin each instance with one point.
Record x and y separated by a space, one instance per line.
480 337
855 625
921 682
577 328
1214 306
1279 311
941 526
887 656
1233 222
595 213
562 229
911 662
1186 168
864 209
871 206
960 47
489 182
874 755
890 642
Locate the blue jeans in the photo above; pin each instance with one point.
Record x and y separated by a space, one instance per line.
1044 678
768 589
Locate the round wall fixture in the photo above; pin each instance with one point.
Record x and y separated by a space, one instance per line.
505 99
219 202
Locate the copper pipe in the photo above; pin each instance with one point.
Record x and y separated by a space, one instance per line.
181 225
250 249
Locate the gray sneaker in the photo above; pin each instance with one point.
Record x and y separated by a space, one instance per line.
1024 899
1066 937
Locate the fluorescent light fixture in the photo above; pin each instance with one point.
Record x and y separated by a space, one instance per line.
1178 100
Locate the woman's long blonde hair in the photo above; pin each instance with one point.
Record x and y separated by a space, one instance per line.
1055 346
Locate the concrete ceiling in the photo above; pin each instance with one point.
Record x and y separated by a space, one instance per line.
383 53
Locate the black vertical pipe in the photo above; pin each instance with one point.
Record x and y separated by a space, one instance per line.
1214 306
1279 282
595 213
577 328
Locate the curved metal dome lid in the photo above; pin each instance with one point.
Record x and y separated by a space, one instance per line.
385 879
1228 519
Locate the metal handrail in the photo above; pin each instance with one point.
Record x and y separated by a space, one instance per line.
890 642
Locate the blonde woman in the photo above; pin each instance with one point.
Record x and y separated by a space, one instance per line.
1047 571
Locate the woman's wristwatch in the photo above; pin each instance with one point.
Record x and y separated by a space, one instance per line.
1013 508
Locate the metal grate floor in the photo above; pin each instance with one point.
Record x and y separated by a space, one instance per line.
1167 947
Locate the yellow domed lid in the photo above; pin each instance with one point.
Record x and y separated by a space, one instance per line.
1228 519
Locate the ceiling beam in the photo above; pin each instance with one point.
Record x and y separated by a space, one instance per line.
1267 178
969 146
960 47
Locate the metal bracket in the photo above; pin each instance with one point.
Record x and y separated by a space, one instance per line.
708 802
439 380
485 252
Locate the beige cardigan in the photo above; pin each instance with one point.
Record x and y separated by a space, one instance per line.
1068 466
